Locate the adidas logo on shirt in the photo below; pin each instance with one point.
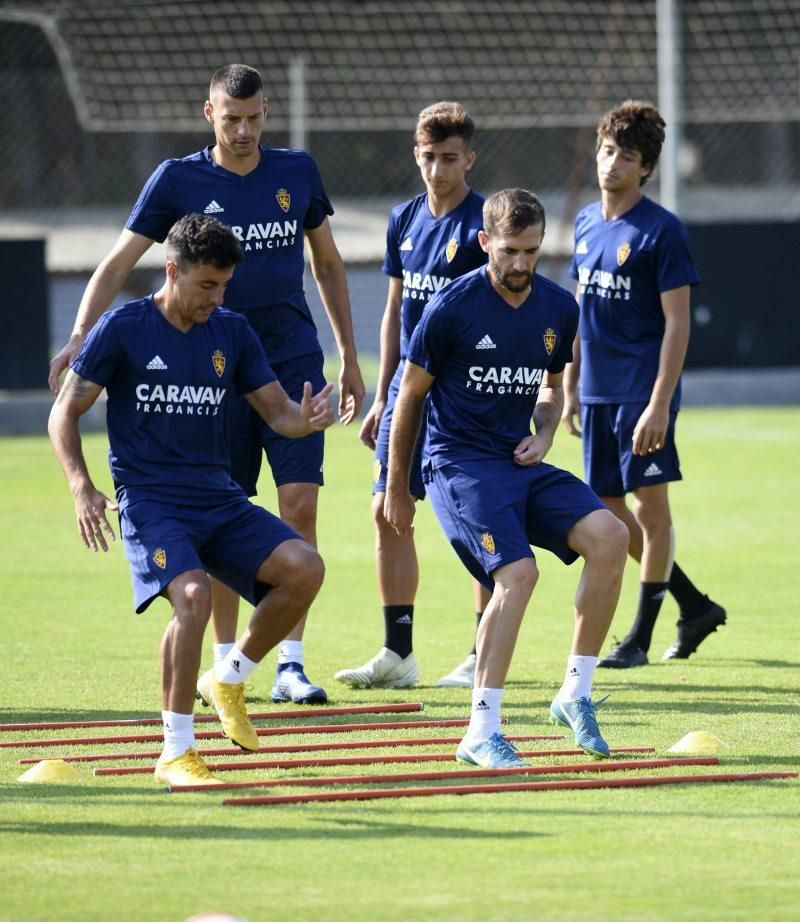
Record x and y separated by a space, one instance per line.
404 619
406 245
156 364
486 343
581 248
653 470
213 208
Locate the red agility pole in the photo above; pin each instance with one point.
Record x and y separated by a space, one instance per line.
212 718
501 788
309 747
456 774
260 731
349 760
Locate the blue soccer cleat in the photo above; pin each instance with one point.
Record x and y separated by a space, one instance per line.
579 716
496 752
292 684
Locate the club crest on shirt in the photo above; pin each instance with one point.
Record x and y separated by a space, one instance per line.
623 252
218 358
549 337
160 557
376 471
284 199
450 249
488 542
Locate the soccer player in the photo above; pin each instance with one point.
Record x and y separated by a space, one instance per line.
634 274
431 240
272 199
490 351
169 363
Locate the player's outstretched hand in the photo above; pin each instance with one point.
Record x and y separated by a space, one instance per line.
351 392
371 424
317 410
571 411
90 510
398 510
63 360
531 450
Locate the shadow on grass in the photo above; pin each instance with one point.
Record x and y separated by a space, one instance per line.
362 829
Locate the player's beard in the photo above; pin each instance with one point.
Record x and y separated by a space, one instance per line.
515 282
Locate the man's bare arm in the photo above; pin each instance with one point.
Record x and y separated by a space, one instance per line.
651 428
294 420
390 357
104 285
329 273
75 398
546 416
398 506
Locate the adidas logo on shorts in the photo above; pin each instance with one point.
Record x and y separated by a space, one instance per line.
653 471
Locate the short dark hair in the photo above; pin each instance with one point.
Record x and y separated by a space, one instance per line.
238 81
510 211
444 120
199 238
635 125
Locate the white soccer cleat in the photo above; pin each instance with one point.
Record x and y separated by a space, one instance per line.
463 676
385 670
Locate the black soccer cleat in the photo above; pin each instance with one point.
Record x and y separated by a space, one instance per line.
692 632
625 655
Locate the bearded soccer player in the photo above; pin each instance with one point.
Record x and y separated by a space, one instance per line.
634 273
431 240
488 484
272 199
169 363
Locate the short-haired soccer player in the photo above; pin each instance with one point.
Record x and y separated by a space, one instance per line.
489 355
634 274
431 240
273 199
170 363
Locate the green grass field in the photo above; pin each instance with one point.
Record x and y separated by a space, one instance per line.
120 848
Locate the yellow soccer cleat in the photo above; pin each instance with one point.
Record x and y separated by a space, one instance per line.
228 700
188 768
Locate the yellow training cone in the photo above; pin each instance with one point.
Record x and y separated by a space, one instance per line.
50 770
699 742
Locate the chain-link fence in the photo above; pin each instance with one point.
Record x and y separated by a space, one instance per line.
97 94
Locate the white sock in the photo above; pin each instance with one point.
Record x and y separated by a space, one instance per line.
221 650
290 651
235 668
178 734
485 716
578 680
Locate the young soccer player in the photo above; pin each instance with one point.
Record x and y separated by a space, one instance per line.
490 351
170 363
430 241
272 199
634 274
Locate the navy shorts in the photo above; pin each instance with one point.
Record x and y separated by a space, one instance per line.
492 511
416 487
611 467
229 541
291 460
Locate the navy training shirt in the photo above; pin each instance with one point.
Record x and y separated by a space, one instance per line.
622 267
489 360
427 253
268 210
166 395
